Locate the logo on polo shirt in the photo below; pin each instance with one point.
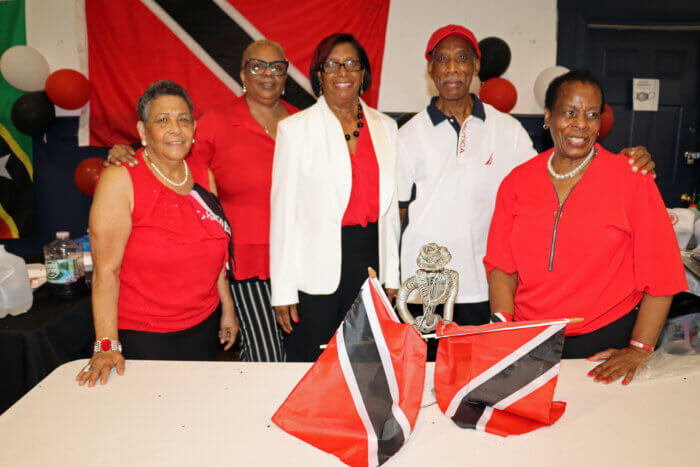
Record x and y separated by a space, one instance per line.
488 162
674 217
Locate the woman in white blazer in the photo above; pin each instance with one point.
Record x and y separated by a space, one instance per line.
334 208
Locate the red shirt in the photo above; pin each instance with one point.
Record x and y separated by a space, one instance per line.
238 151
614 242
363 206
172 259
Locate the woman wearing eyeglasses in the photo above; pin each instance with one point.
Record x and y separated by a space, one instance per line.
334 209
236 141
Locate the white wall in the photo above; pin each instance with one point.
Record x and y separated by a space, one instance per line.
51 29
528 27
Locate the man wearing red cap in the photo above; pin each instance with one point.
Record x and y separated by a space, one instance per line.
453 156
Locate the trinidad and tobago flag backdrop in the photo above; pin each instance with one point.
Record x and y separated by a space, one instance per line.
132 43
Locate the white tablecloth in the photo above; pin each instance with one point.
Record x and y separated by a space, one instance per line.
218 414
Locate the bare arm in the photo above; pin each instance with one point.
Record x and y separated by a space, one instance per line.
624 362
110 227
229 323
502 292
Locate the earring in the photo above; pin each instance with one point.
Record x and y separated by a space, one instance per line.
283 91
362 90
192 140
544 126
245 90
143 142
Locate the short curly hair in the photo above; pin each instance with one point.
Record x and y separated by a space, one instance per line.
164 87
581 76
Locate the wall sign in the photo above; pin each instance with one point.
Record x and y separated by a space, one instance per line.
645 94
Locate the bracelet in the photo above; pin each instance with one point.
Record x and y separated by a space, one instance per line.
641 345
501 318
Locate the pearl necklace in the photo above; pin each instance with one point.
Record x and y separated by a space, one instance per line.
155 167
573 172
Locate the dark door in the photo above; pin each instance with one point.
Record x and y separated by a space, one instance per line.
617 56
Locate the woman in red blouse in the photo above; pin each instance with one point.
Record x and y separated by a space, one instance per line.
333 203
575 233
160 245
236 141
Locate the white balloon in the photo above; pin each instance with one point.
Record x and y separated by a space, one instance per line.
24 68
475 87
543 79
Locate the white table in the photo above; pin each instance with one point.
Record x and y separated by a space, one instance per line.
218 414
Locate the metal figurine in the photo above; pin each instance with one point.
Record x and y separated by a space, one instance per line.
435 285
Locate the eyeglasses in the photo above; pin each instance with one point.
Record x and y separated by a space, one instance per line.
258 67
334 67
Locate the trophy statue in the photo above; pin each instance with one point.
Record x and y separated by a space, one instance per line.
435 285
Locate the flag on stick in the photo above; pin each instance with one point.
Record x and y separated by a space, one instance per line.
360 400
500 378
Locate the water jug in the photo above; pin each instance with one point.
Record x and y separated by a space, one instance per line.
15 292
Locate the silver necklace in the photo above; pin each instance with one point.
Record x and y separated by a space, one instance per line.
573 172
155 167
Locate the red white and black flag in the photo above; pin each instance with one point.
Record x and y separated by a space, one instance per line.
374 370
500 378
199 45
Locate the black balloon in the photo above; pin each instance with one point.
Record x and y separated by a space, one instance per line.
495 58
33 113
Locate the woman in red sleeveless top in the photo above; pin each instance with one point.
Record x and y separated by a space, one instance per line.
161 246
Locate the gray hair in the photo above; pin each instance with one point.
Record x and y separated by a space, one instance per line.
164 87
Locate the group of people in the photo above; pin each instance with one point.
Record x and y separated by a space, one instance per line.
314 197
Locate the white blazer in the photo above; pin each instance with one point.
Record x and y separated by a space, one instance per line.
311 183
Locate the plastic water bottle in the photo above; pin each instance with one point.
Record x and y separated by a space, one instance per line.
15 291
65 273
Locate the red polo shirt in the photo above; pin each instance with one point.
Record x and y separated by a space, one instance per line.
239 153
614 242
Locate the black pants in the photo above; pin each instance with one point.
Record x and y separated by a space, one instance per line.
200 342
465 314
615 335
320 315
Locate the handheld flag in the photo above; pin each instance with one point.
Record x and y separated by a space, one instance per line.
360 400
500 378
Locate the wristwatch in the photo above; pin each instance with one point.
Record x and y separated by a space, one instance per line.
106 344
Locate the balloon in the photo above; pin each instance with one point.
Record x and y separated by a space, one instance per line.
475 87
543 79
500 93
33 113
607 118
495 57
24 68
68 89
87 173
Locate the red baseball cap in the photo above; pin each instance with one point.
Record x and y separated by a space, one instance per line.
448 31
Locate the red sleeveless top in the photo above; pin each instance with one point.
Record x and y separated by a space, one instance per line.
173 257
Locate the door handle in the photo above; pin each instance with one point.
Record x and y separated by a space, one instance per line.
691 157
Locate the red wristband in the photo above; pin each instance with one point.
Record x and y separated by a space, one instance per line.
641 345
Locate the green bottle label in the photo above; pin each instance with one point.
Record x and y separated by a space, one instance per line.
61 271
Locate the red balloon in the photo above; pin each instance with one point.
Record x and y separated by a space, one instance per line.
87 173
500 93
607 118
68 89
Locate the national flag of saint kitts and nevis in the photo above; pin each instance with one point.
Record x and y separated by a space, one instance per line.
16 169
360 400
